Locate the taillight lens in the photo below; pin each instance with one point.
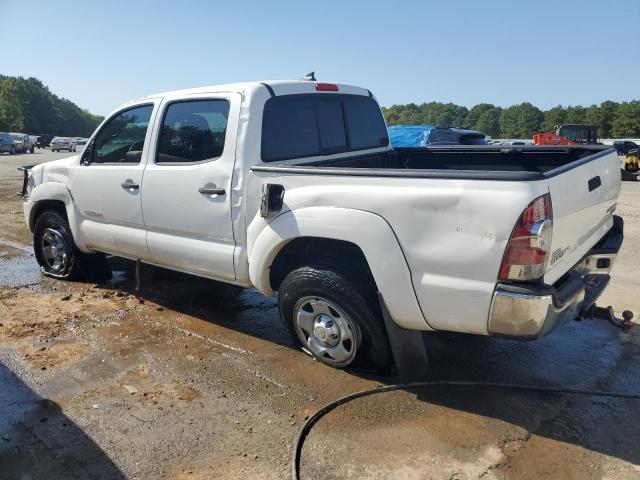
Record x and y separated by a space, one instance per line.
326 87
526 256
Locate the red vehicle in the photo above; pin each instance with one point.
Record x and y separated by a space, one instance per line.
569 134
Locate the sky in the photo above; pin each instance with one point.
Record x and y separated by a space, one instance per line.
100 54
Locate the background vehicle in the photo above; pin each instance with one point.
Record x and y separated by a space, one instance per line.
81 140
23 142
292 187
7 143
34 141
569 134
631 165
62 143
423 135
624 146
44 140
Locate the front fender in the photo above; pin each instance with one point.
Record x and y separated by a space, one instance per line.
367 230
53 191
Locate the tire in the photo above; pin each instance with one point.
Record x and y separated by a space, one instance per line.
33 149
332 313
628 176
54 248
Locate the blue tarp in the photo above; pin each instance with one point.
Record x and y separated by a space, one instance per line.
423 135
409 135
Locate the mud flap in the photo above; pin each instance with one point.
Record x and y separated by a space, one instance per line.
407 346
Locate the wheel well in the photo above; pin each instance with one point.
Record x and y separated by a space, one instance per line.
55 205
306 250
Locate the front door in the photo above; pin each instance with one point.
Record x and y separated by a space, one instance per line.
186 189
106 185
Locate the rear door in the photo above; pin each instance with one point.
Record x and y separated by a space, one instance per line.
584 199
187 185
106 184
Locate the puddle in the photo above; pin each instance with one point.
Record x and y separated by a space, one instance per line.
20 271
16 245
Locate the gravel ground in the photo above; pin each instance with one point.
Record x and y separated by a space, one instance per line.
197 382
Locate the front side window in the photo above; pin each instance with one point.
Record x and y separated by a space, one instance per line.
122 138
193 131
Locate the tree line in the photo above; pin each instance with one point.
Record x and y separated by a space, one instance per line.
614 119
27 106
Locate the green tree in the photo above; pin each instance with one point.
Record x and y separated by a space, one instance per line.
520 121
627 120
553 117
26 105
473 117
489 122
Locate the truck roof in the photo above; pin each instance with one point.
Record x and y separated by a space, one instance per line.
279 87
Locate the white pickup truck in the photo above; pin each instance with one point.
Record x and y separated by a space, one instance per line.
291 187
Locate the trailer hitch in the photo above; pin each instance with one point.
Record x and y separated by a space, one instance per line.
601 313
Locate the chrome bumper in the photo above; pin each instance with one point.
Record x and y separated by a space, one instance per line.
529 311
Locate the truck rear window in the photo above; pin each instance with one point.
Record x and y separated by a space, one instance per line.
296 126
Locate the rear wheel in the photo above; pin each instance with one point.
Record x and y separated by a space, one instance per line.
333 314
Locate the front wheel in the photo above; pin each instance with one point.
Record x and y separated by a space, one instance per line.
53 244
333 314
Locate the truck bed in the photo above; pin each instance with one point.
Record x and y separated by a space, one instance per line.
471 162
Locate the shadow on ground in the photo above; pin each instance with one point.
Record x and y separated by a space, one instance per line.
578 355
37 441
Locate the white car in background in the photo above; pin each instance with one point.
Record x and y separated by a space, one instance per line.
63 143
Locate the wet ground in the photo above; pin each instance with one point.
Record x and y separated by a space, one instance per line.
201 381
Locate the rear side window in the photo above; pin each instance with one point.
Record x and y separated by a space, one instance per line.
289 129
296 126
193 131
365 123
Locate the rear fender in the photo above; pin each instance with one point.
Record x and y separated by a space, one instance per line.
367 230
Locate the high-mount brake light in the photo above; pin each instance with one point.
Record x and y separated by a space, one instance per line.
527 253
326 87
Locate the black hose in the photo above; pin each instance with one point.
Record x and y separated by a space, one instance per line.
311 421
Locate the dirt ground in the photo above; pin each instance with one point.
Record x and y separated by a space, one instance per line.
198 382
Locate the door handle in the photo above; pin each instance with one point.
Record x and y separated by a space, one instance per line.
594 183
211 191
128 185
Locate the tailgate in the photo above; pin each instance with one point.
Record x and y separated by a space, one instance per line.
584 195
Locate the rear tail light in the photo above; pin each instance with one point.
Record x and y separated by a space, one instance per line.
326 87
527 252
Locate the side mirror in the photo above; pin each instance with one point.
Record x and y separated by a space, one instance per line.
133 156
86 155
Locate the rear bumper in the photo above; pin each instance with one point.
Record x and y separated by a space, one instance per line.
529 311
